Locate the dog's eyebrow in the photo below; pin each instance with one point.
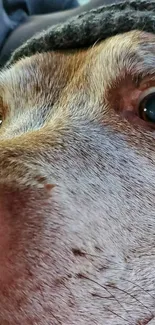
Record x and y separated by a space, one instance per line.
3 82
1 101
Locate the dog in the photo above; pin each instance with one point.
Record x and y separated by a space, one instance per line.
77 185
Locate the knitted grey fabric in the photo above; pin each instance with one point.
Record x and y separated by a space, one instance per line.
90 27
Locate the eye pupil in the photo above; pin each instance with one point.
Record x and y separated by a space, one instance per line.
1 121
147 109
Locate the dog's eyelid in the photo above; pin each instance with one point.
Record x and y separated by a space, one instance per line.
1 108
4 108
1 118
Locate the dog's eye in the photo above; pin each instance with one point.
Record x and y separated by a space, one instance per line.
1 120
146 109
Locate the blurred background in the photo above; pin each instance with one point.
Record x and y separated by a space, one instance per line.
83 2
21 19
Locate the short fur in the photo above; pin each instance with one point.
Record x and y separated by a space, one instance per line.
77 188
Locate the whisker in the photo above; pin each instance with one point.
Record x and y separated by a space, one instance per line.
132 296
115 269
138 286
102 286
97 41
109 310
59 322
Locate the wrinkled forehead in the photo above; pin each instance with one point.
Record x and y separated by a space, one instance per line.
35 69
23 78
42 74
17 82
81 81
43 77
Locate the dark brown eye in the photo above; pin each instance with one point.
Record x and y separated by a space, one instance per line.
1 120
146 108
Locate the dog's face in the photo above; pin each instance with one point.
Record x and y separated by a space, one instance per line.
77 186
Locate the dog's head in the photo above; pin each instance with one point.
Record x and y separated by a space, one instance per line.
77 185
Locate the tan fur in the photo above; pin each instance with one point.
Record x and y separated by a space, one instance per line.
77 187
